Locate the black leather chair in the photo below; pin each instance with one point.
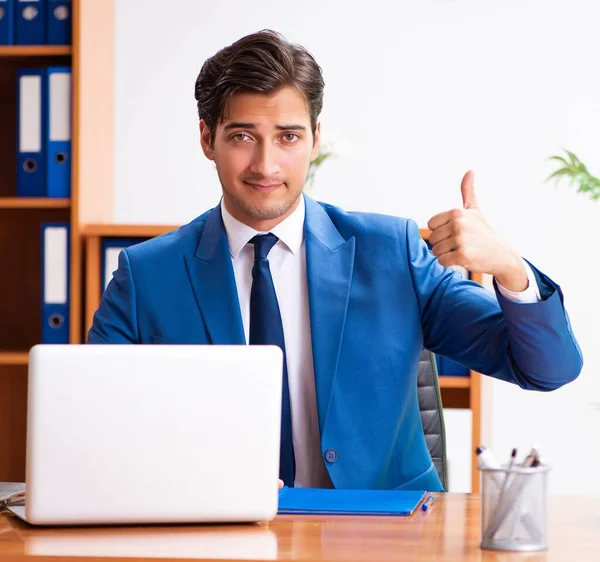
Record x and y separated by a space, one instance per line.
432 415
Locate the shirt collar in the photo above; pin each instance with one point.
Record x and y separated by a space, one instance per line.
289 231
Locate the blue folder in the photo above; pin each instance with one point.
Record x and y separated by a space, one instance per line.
109 260
7 22
448 368
316 501
58 22
55 283
57 142
31 132
30 22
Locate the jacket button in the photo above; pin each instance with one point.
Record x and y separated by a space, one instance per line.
331 455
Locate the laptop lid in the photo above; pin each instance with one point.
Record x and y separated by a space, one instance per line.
123 434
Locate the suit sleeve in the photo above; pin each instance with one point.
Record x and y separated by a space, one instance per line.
115 321
529 344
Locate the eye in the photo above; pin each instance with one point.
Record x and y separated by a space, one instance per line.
291 137
240 137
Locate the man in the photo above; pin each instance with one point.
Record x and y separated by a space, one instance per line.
351 297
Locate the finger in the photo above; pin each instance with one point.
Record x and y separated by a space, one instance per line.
442 218
280 484
444 247
450 259
441 233
467 188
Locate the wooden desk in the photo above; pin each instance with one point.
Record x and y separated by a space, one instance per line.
449 532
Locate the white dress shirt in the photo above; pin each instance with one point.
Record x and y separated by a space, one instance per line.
287 261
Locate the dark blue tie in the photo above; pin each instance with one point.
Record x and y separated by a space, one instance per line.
266 328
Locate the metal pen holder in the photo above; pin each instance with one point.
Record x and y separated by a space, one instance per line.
514 508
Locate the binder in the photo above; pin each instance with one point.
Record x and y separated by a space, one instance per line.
458 423
30 22
111 248
58 22
58 127
7 22
306 501
448 368
55 283
31 133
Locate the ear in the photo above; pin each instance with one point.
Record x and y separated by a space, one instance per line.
316 142
205 140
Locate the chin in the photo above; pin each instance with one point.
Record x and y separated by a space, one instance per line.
267 212
262 206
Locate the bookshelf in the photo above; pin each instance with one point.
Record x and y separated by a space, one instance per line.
28 51
33 203
21 248
125 230
14 358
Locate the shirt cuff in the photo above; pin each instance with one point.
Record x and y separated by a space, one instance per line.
529 295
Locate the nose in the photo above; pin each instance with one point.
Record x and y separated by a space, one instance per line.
264 161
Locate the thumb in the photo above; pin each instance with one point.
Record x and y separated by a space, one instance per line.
467 188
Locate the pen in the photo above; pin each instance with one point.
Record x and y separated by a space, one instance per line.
488 460
531 458
428 503
537 462
503 490
511 462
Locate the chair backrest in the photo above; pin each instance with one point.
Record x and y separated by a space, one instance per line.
432 415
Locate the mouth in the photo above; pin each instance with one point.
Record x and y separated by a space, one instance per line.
263 187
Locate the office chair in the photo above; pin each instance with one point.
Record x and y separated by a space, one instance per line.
432 415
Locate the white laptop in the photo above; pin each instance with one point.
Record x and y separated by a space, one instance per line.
132 434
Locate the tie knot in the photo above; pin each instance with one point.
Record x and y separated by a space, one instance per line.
263 244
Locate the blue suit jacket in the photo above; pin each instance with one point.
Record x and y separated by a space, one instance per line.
376 297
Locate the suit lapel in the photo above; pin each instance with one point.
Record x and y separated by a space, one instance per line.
329 265
211 274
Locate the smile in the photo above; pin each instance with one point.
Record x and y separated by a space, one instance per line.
264 187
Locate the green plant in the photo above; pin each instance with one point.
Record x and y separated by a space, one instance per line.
573 169
325 153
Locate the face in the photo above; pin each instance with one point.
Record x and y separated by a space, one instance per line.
262 149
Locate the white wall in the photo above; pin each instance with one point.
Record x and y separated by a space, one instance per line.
416 93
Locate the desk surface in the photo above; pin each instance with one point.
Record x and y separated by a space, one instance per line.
449 532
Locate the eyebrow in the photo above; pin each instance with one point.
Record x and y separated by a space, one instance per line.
242 125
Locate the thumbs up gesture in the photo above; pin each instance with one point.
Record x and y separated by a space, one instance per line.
462 237
467 189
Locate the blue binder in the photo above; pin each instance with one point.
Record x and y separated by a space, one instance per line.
30 22
302 501
58 19
7 22
109 259
448 368
55 283
58 127
31 132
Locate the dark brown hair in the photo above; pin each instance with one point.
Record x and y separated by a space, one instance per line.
262 62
